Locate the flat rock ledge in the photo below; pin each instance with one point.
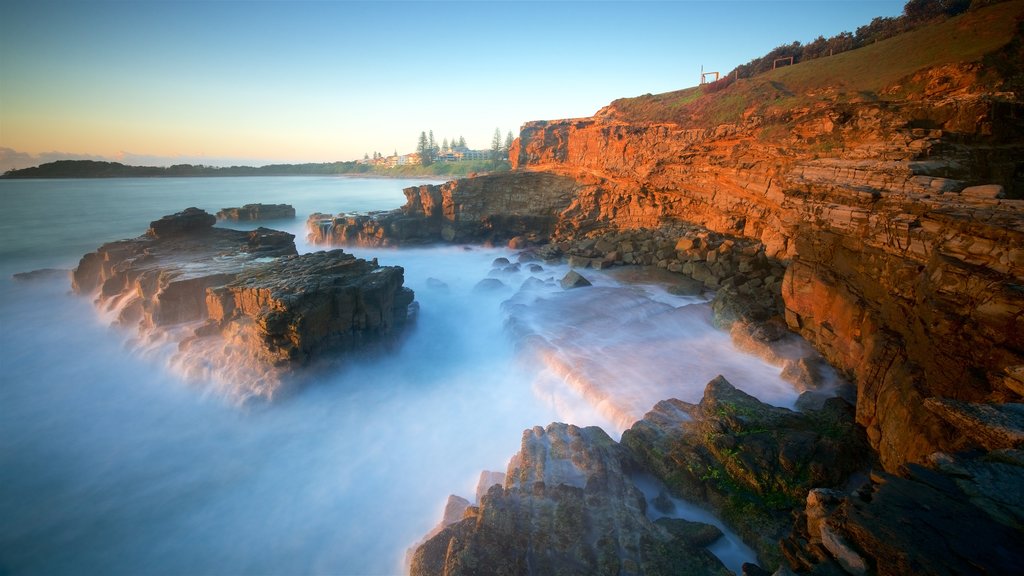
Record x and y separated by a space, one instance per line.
251 212
245 308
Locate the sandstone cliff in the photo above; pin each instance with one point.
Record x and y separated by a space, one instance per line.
244 307
894 211
887 183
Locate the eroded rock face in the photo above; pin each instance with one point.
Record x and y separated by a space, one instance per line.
567 507
257 212
489 208
245 306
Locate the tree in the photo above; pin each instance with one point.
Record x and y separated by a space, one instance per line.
423 149
508 142
462 142
496 145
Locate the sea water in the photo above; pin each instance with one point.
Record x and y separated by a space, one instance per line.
112 464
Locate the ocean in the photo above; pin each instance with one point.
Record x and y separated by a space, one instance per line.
111 463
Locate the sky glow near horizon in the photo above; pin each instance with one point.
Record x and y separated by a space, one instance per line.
159 82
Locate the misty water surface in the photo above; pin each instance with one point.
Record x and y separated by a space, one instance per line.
110 463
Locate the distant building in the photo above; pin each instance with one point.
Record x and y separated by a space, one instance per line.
476 155
409 159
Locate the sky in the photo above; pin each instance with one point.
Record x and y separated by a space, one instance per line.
160 82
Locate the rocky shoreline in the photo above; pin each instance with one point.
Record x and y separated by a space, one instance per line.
244 307
897 263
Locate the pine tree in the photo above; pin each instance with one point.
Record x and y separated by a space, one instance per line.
444 145
508 142
462 142
496 145
423 149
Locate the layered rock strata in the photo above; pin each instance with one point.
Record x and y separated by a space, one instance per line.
246 308
898 269
257 212
903 282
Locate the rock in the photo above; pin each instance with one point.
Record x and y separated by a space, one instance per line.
567 506
488 478
963 517
490 208
41 274
437 285
500 262
985 191
990 426
751 463
488 285
257 212
573 280
686 287
535 268
188 221
255 310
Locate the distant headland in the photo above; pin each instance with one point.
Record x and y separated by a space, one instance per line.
101 169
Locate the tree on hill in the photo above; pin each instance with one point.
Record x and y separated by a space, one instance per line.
915 14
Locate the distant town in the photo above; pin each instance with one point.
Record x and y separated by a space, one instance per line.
451 159
429 152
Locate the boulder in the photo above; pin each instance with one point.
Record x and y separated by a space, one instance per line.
488 285
573 280
188 221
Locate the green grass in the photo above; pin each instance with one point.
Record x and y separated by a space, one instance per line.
864 73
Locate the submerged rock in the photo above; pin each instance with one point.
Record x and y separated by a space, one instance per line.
252 309
41 274
257 212
567 506
574 279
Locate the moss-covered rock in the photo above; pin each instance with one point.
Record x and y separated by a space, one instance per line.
751 462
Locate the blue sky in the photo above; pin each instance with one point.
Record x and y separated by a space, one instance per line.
159 82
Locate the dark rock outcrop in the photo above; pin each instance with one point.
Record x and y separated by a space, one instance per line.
568 506
963 514
188 221
257 212
257 308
